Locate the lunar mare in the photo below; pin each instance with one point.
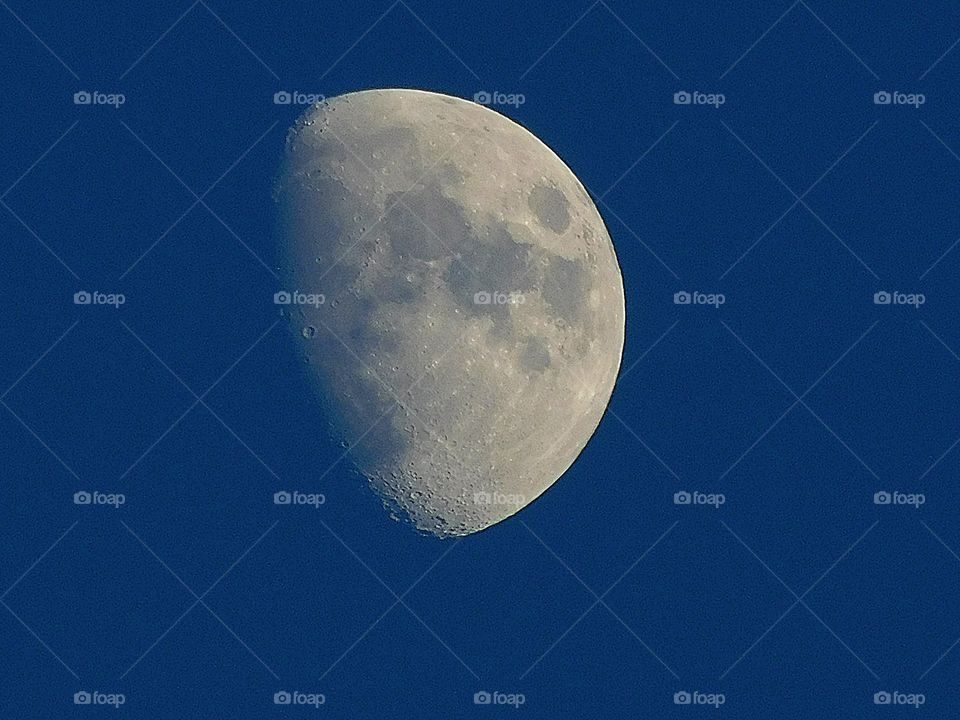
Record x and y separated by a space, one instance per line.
472 320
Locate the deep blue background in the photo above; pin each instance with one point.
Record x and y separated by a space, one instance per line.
708 398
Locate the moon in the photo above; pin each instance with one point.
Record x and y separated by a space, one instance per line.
455 297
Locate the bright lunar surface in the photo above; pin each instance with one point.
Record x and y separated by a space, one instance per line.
471 322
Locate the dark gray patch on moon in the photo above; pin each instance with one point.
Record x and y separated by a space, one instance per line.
564 284
551 208
535 356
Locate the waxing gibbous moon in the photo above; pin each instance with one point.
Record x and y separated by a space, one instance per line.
471 323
